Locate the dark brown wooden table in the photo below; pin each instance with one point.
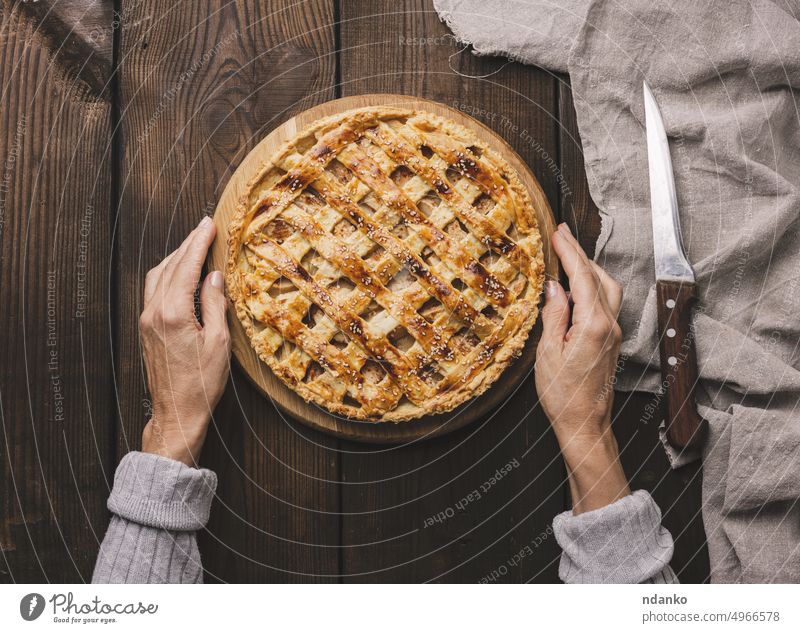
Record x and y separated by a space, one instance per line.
120 124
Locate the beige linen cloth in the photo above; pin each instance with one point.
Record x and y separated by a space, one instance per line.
726 75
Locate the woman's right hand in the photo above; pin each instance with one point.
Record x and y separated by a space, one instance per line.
187 363
575 366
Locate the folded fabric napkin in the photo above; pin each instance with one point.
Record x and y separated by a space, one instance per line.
726 75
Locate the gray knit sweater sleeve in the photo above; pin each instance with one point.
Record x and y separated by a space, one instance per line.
621 543
157 504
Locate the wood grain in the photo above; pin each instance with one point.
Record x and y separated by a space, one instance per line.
55 379
260 374
578 209
675 302
200 84
677 493
390 494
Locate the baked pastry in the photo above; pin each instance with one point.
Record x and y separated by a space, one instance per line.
386 264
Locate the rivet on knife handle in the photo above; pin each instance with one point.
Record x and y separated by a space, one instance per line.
685 427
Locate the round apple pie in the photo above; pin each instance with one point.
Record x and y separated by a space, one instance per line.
386 264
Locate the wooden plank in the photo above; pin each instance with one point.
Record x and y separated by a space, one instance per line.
392 496
578 209
200 84
56 384
678 493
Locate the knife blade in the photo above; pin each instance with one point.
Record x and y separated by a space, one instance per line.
676 292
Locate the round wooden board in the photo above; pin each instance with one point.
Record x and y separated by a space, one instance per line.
309 413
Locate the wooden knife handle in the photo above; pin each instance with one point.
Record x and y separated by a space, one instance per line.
685 426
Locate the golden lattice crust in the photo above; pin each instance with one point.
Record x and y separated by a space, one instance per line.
386 264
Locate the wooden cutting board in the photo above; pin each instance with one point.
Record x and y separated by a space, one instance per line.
310 414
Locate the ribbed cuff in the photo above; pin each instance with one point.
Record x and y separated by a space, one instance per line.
162 493
621 543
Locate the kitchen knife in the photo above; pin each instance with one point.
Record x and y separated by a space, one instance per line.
675 291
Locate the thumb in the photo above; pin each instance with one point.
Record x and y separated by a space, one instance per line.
555 313
213 305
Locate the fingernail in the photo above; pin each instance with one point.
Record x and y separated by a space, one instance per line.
563 227
550 288
205 222
216 279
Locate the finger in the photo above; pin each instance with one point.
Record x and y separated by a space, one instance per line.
154 277
181 250
612 288
585 289
177 254
161 273
555 313
212 309
186 268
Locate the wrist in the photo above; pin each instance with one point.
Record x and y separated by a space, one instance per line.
170 439
594 437
595 473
